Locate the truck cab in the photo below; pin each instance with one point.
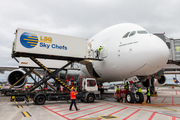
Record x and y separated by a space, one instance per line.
89 86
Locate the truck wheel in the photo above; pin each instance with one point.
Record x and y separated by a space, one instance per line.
40 100
130 98
139 97
90 99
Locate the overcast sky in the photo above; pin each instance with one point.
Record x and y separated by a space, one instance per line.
83 18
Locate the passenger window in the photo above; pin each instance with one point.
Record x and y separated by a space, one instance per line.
125 36
91 83
141 32
132 33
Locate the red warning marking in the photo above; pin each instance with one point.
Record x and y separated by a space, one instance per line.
163 99
95 112
77 106
173 118
57 113
118 111
87 109
131 114
156 98
151 117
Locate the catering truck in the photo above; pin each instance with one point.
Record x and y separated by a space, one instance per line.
87 92
41 50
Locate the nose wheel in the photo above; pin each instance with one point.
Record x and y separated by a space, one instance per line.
139 97
130 97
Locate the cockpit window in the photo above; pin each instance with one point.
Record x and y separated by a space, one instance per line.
132 33
125 36
141 32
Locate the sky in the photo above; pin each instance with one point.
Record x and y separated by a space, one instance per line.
83 18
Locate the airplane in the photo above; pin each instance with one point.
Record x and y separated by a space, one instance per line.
176 81
128 51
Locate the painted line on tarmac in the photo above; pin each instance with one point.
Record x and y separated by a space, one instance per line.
86 109
165 108
94 112
78 107
56 113
131 114
173 118
156 98
152 111
118 111
164 99
26 114
151 117
19 106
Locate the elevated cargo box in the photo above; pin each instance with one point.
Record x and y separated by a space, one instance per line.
49 63
48 45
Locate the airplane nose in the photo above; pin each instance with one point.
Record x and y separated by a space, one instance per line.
158 52
153 55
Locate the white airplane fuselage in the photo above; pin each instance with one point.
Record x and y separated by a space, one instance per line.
140 54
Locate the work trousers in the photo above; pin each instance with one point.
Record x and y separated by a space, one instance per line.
148 99
73 102
97 54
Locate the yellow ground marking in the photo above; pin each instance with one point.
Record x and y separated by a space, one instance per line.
108 117
26 114
165 108
19 106
89 118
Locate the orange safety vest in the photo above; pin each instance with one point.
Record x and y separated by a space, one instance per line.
73 95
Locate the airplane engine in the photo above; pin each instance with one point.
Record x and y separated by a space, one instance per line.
157 82
161 81
14 76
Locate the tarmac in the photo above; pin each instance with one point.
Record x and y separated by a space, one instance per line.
166 106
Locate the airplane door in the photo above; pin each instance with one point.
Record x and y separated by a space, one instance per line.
104 51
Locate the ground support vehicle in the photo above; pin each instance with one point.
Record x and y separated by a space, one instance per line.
35 44
39 97
130 96
6 92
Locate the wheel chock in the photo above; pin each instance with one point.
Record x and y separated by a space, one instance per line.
143 103
154 95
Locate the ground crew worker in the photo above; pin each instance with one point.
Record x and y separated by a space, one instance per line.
73 99
117 89
98 52
139 89
26 88
148 96
126 86
76 90
72 88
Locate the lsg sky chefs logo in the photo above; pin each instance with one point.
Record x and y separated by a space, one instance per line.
30 40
